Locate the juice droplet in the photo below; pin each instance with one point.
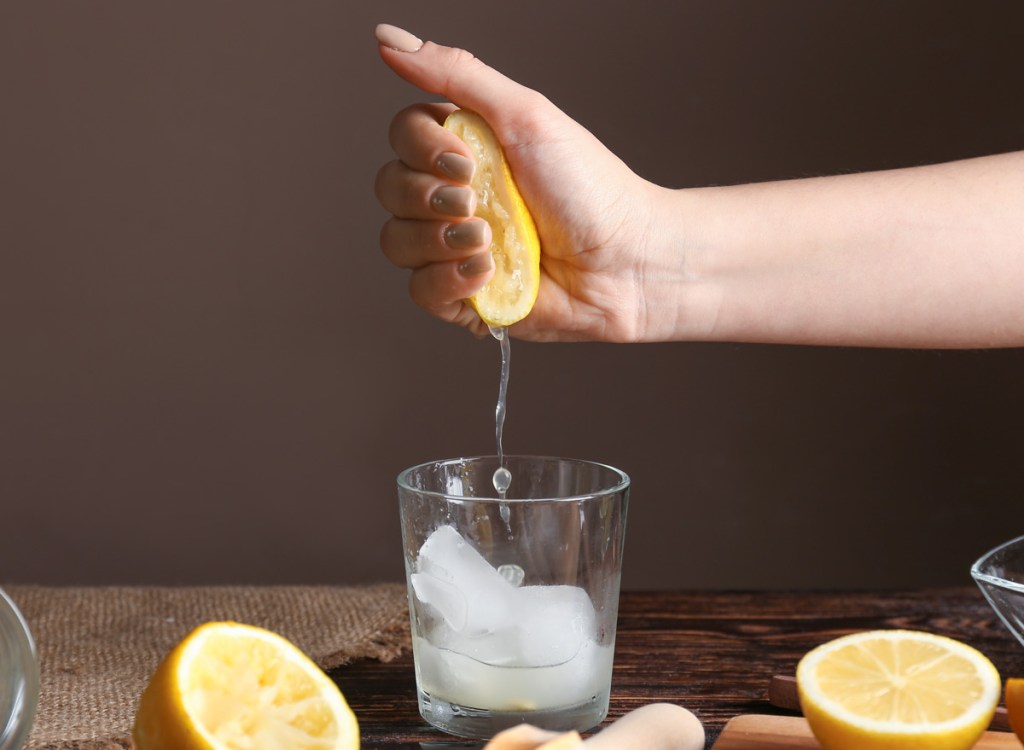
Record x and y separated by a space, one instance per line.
502 479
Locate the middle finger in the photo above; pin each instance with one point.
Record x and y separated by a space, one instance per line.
409 194
415 244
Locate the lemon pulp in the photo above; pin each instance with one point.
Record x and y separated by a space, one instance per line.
228 686
515 246
897 689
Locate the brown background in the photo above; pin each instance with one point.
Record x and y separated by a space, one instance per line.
210 374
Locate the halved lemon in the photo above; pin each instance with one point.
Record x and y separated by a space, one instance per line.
228 686
509 296
897 690
1015 705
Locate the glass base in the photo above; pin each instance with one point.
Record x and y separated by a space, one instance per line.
482 723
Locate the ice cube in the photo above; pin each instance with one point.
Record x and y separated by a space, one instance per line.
443 596
553 623
466 591
501 647
545 626
486 615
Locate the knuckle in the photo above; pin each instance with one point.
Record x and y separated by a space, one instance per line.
458 63
391 186
380 182
402 122
418 290
534 111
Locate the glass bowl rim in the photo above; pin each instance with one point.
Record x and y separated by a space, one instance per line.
978 572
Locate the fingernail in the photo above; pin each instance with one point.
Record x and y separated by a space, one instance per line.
456 166
466 234
396 38
452 201
476 265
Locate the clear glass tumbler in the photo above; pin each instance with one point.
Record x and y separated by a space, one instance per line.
513 600
19 676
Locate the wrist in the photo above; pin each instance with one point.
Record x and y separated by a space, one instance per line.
682 299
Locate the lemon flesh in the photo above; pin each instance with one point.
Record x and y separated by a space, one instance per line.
228 686
510 294
897 690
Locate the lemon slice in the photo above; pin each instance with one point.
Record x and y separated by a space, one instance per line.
228 686
897 689
509 296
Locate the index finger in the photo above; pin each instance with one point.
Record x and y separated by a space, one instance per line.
422 143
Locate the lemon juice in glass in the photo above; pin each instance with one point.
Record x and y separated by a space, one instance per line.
513 600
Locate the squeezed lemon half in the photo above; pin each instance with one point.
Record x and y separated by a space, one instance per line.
228 686
510 294
897 690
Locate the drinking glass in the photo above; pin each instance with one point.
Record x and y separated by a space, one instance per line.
513 600
19 676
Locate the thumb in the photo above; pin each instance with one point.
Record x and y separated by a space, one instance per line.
450 72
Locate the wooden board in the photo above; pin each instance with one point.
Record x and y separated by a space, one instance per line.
755 732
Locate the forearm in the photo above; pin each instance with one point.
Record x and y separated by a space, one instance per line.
923 257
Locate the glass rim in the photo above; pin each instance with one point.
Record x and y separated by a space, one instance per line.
623 481
979 572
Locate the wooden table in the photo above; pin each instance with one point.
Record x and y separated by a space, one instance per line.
712 652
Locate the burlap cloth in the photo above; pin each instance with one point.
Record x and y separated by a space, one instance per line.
98 646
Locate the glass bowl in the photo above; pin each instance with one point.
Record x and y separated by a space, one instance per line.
999 574
19 676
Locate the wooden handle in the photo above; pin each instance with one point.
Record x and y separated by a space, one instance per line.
656 726
782 693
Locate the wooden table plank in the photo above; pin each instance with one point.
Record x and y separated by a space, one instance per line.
712 652
753 732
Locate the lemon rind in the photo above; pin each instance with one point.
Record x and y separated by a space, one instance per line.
348 732
983 707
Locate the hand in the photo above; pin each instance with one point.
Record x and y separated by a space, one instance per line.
593 214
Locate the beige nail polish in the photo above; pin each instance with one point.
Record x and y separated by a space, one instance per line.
452 201
466 234
455 166
476 265
396 38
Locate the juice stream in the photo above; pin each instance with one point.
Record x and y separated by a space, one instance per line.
502 476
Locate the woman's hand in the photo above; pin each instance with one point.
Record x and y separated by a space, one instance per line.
593 214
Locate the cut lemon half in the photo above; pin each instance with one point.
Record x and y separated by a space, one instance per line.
509 296
1015 705
897 689
228 686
